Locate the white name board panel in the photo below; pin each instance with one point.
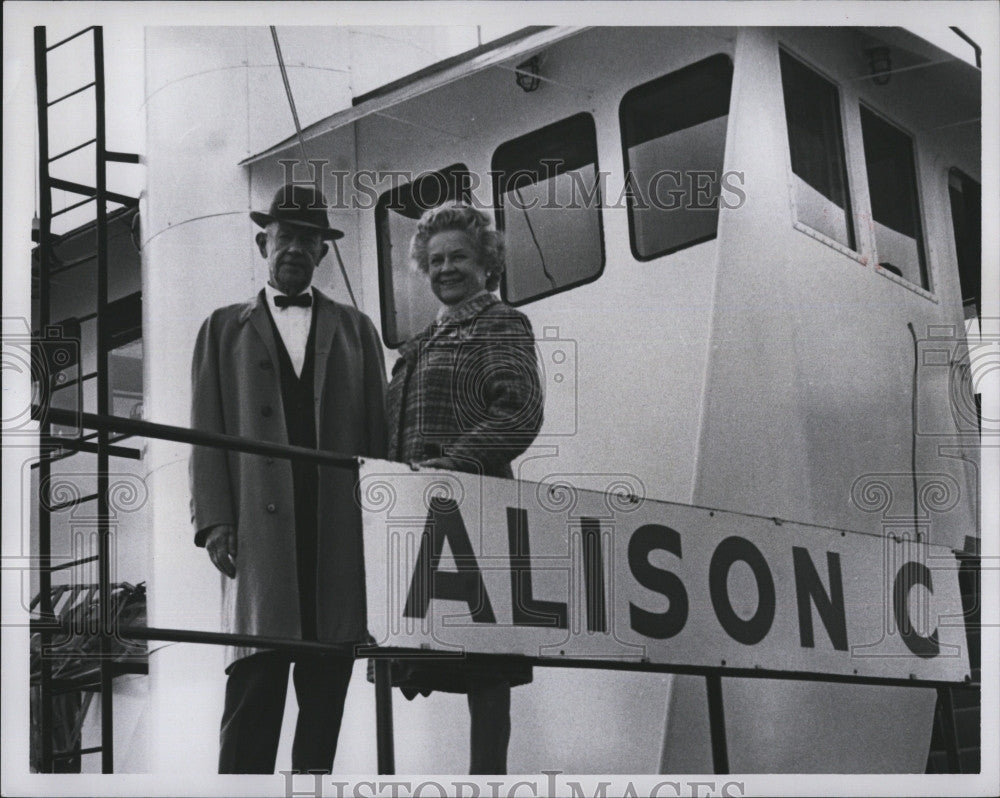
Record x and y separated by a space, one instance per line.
462 563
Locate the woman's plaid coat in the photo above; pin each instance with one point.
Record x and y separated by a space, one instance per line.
465 395
466 392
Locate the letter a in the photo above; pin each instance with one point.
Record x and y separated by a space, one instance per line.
464 584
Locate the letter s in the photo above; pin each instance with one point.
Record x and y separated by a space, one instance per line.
657 625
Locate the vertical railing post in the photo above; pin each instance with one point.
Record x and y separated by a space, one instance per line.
946 717
103 408
383 717
717 724
44 466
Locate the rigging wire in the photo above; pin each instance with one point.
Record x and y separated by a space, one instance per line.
288 93
913 425
305 157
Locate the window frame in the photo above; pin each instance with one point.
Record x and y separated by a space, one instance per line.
851 196
928 292
965 177
623 128
387 300
499 212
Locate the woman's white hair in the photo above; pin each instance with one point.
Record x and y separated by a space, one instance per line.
487 243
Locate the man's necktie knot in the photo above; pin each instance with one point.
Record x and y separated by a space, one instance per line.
303 300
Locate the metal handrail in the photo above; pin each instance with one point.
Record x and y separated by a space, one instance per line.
148 429
372 650
381 655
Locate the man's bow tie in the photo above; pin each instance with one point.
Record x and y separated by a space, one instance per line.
303 300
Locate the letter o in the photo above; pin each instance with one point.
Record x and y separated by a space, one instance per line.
729 551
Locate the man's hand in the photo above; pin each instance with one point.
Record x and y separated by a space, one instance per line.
221 545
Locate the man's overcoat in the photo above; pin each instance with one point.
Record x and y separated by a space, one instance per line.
237 391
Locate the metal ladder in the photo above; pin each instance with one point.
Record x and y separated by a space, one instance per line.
51 447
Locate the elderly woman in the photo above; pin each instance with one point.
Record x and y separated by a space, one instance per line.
465 395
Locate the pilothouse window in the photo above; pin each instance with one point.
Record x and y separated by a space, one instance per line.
548 203
892 184
674 140
408 305
816 144
967 218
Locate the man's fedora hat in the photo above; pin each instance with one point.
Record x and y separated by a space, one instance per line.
302 206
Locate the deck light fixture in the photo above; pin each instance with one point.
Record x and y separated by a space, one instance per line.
527 74
880 64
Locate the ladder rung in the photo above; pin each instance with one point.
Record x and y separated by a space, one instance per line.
73 563
121 199
121 157
75 91
71 207
69 38
88 191
73 503
51 441
65 267
72 264
76 188
90 448
73 149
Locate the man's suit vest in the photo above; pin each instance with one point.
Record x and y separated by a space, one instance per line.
297 397
297 391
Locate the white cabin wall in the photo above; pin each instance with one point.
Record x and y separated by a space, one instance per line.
812 361
329 66
809 389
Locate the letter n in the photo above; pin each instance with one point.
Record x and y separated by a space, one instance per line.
829 606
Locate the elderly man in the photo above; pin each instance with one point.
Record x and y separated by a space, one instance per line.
289 366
